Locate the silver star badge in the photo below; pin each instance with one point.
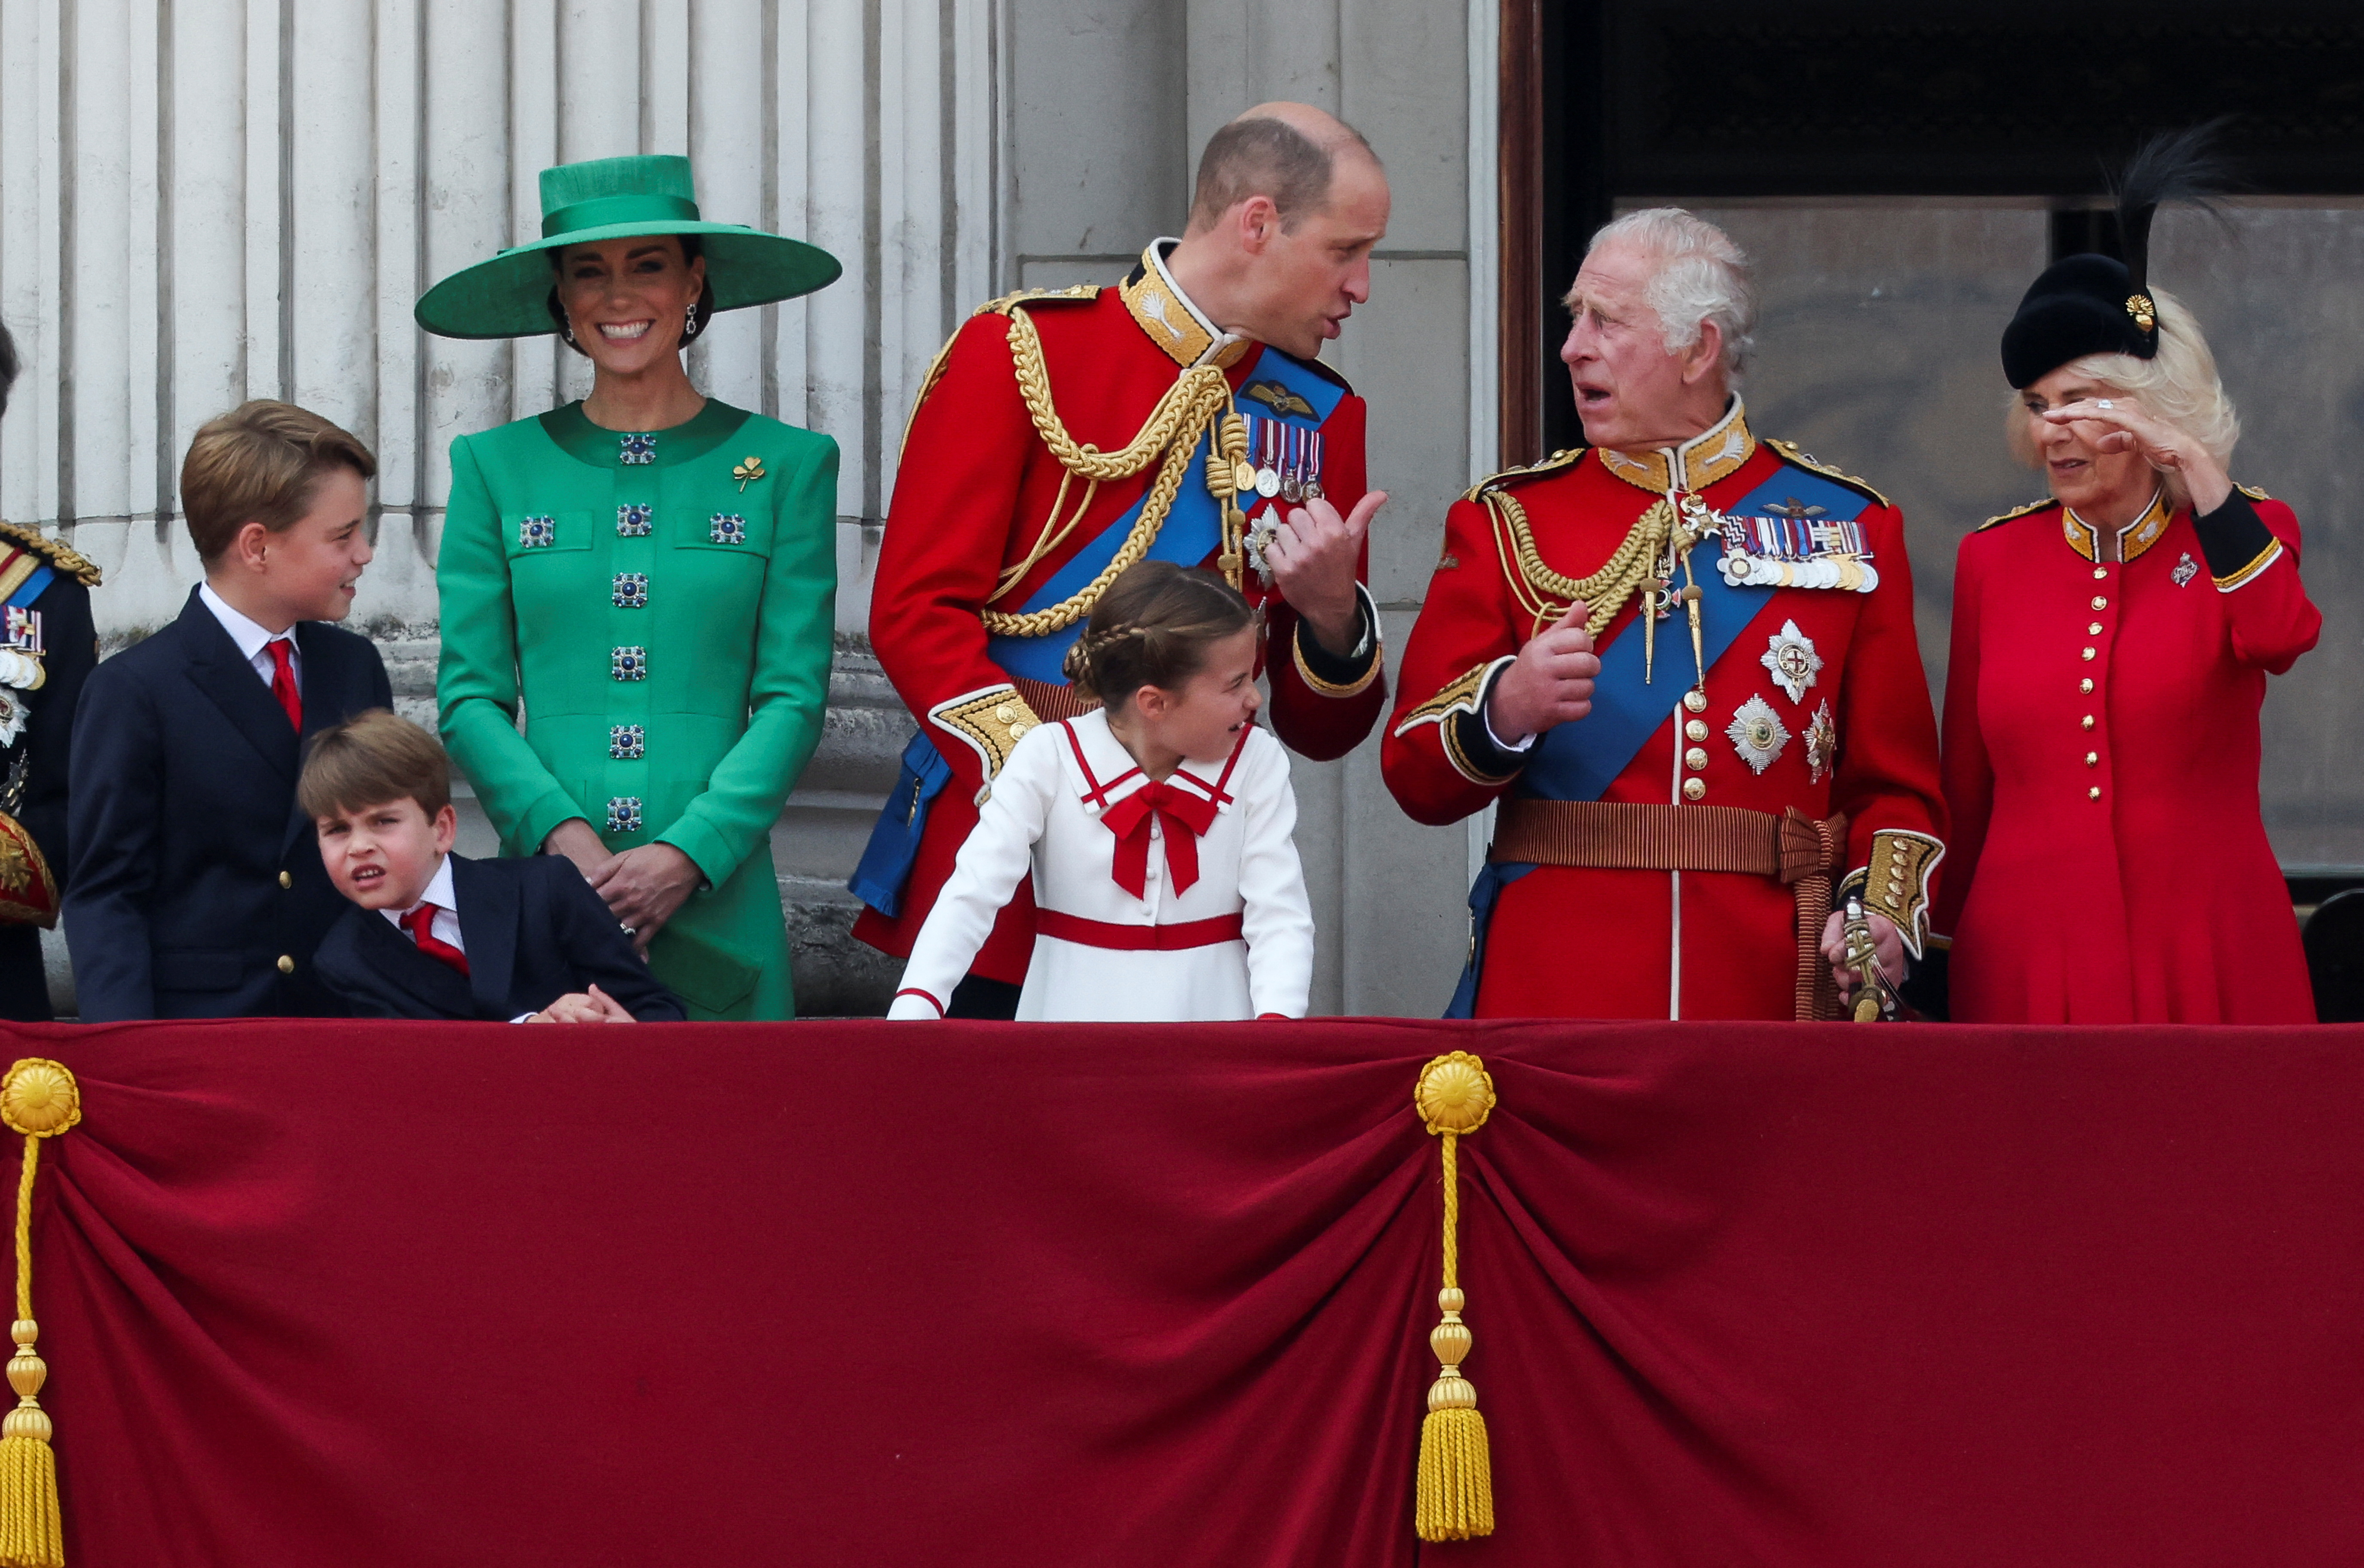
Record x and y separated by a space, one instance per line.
1821 742
2185 570
1757 734
1793 660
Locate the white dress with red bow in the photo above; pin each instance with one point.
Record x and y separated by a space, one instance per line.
1174 901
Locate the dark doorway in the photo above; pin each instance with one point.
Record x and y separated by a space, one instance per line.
1606 101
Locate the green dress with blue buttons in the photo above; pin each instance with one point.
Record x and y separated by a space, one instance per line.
660 607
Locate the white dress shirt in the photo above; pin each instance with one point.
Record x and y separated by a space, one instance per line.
446 926
253 639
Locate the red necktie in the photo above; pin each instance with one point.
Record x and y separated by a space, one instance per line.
421 924
1184 815
282 680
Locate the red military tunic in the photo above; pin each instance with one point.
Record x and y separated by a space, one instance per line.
1858 736
986 518
2110 864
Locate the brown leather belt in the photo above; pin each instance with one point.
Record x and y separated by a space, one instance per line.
1052 704
1795 849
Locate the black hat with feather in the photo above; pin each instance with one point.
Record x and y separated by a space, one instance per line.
2099 304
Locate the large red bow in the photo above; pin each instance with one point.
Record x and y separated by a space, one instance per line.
1184 816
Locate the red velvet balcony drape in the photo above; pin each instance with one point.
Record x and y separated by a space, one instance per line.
357 1294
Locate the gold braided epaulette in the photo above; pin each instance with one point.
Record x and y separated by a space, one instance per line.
1566 457
1038 296
58 553
2253 493
1789 449
2016 512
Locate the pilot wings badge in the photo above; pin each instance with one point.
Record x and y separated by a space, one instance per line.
1277 397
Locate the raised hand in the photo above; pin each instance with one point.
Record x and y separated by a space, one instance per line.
1549 683
2126 425
1315 556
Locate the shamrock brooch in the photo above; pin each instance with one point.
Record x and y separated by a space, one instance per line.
747 471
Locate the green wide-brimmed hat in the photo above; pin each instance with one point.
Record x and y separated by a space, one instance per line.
617 198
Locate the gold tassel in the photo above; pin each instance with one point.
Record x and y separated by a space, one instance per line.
1455 1493
41 1099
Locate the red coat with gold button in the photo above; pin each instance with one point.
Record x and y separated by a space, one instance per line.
985 518
1860 737
2109 861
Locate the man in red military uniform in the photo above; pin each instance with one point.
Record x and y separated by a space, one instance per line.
1682 661
1061 436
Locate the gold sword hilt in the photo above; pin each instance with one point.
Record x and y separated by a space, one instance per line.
1875 999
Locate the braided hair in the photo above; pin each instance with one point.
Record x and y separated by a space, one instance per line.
1151 628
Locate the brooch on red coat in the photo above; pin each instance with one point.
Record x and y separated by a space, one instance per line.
2185 570
1756 733
1822 744
1793 660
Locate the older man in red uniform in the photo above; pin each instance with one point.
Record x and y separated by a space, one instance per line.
1180 416
1682 662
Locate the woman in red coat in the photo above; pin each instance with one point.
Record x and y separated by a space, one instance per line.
2108 862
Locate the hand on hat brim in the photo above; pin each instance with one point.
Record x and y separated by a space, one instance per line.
2160 444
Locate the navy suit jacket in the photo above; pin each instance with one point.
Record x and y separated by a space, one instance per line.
534 931
194 888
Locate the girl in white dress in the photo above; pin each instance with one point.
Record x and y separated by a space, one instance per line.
1157 828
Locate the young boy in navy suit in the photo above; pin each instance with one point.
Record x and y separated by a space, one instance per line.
194 886
438 935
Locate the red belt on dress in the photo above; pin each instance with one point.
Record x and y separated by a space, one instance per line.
1137 938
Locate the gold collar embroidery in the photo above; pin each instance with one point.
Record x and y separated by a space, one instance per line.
1715 454
2145 531
1166 316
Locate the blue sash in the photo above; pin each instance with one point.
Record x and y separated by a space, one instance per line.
1578 760
1193 531
886 863
30 588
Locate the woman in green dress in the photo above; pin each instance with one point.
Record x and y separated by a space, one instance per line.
647 576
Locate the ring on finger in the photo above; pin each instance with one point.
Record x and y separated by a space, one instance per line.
2105 402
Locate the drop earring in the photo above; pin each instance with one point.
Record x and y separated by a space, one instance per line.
689 323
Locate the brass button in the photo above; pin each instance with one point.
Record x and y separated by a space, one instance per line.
286 964
1005 712
2088 653
2100 573
285 880
2088 721
1694 730
2100 603
1695 700
2094 792
2094 630
2086 685
1694 788
2092 759
1696 759
1018 730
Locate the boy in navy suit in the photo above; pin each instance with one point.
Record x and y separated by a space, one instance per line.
439 936
194 886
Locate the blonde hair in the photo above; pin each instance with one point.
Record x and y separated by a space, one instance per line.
2179 386
1701 277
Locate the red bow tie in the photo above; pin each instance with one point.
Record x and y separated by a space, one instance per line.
1184 816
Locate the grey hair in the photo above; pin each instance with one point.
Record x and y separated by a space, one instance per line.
2179 386
1701 277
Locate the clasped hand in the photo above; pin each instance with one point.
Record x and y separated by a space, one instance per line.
1887 942
594 1006
642 886
1549 682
